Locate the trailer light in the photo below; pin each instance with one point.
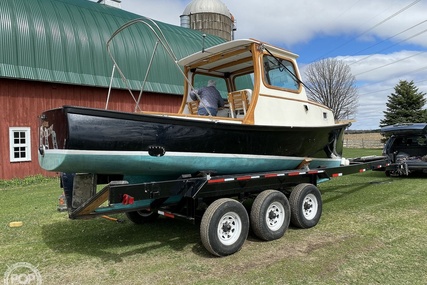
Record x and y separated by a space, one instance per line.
128 200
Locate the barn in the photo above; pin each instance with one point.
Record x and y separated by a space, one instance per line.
53 53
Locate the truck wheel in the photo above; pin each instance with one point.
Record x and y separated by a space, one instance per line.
270 215
142 216
306 205
224 227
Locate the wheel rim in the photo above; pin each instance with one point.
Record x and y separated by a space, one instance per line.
144 213
275 216
229 228
310 206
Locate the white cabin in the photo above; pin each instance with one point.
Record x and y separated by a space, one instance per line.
260 82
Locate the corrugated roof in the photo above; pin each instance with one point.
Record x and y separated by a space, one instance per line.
65 41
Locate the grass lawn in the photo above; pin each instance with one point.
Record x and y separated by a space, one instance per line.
372 231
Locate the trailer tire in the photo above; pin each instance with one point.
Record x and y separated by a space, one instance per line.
270 215
306 205
224 227
142 216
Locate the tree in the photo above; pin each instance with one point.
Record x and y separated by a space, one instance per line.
405 105
331 83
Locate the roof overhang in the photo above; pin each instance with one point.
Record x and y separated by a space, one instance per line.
230 56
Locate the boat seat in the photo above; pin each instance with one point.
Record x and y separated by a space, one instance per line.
239 102
193 106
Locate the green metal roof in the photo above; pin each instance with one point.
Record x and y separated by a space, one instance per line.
65 41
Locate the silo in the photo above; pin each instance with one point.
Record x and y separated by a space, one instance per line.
209 16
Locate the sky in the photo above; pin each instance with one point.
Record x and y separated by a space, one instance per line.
383 41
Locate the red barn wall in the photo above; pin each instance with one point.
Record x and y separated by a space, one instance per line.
21 102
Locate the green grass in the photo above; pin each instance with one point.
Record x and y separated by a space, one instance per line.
372 231
357 152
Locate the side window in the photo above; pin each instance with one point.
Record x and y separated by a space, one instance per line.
201 80
280 73
20 144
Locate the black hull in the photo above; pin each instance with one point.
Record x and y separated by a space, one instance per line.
96 129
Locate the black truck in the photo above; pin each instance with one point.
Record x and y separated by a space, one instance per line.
406 148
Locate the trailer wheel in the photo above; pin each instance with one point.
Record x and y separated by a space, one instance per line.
142 216
306 205
270 215
224 227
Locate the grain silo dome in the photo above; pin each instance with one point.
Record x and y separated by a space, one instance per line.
207 6
210 17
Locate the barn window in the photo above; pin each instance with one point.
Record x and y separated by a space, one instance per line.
20 144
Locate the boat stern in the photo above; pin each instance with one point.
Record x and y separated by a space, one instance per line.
53 131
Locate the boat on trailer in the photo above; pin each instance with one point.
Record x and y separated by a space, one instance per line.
267 123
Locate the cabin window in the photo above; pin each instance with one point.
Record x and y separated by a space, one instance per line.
20 144
280 73
201 80
244 81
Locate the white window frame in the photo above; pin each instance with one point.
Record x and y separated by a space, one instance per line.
26 145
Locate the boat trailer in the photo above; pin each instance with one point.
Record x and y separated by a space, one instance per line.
217 202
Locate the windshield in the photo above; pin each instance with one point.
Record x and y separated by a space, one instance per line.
201 80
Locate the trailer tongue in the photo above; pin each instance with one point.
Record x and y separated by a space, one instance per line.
216 202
